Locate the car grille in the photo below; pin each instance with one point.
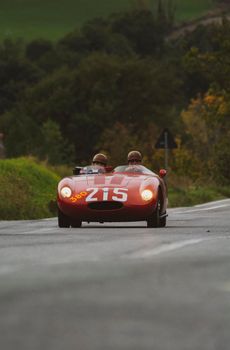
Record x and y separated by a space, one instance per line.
105 205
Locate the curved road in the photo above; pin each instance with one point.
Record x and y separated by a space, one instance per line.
117 286
190 26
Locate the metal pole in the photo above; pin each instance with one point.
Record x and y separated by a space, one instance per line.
166 149
2 148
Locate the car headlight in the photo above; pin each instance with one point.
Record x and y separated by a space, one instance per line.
66 192
147 195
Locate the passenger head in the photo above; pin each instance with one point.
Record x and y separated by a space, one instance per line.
100 159
134 157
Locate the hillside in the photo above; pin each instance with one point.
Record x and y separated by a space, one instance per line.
27 189
53 18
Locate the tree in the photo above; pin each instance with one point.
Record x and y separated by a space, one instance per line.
16 73
22 133
54 147
141 4
208 63
221 161
141 29
38 48
117 141
207 128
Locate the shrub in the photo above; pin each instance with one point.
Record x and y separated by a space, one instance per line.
26 189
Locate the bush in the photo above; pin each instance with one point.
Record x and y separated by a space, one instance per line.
183 197
26 190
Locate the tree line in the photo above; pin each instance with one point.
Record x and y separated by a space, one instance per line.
113 85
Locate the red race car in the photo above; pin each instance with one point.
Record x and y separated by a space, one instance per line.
127 193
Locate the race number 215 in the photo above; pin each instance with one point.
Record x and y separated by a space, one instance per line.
115 194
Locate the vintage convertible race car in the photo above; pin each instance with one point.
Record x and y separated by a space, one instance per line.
127 193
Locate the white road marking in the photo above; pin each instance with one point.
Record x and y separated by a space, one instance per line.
166 248
201 209
5 270
206 206
225 287
40 230
222 201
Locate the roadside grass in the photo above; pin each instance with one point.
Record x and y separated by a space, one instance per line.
26 190
185 197
184 191
52 19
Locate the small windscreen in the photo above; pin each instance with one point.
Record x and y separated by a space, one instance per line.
92 169
133 169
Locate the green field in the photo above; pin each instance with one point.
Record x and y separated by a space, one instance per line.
53 18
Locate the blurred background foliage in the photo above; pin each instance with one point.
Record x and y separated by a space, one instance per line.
112 85
51 19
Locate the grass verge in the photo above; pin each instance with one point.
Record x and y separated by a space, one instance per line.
26 189
192 195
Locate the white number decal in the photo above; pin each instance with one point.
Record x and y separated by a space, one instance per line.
121 194
90 197
105 193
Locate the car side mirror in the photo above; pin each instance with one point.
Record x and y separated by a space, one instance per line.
162 173
76 170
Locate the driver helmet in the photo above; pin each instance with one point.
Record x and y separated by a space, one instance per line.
134 157
100 159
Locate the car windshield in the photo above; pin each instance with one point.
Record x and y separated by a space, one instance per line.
134 169
92 169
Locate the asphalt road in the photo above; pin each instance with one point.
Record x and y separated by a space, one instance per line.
117 286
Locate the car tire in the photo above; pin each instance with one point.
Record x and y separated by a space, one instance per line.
163 222
76 223
63 220
154 219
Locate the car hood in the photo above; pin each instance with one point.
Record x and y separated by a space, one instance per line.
134 183
112 180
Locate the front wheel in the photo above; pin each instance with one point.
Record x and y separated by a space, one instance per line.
154 220
163 221
63 220
76 223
